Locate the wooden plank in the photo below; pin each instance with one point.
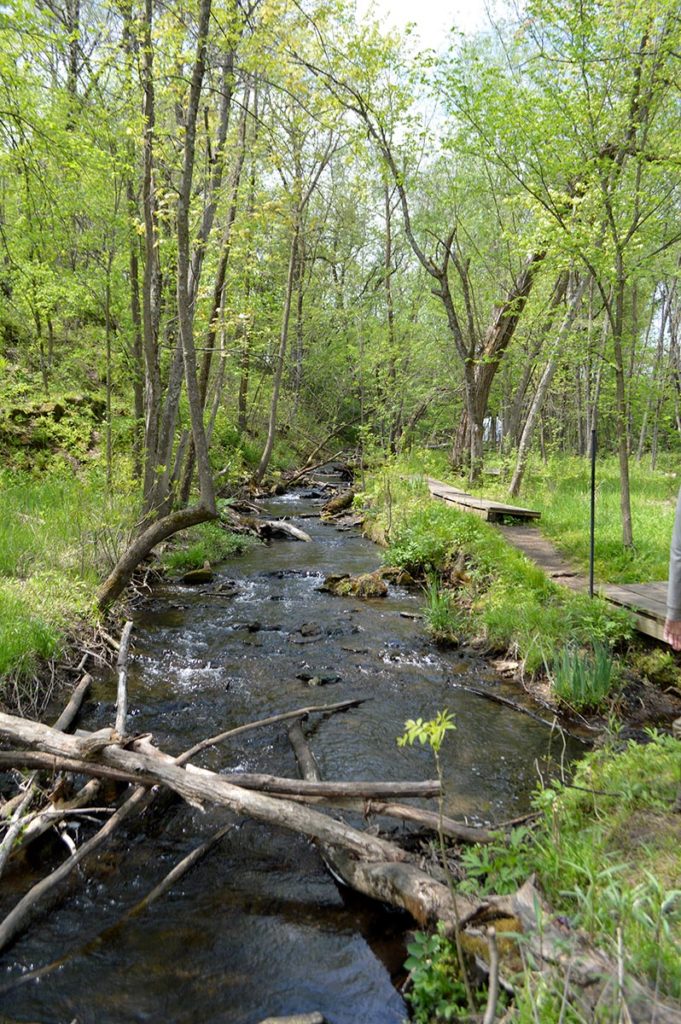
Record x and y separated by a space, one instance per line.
491 510
648 603
651 627
654 591
648 611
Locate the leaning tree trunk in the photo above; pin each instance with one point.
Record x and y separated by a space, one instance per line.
542 390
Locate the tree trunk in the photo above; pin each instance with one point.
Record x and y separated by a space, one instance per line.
184 305
542 390
151 283
283 340
622 412
121 574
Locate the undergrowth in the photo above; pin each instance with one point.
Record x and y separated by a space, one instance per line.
605 855
59 535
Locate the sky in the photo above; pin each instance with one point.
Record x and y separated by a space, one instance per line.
433 18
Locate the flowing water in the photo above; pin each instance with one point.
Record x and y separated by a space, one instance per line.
259 928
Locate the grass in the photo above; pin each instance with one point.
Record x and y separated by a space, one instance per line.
605 854
583 681
207 542
58 536
560 490
494 591
608 854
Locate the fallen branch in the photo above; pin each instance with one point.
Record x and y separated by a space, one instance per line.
64 722
456 830
506 703
146 766
122 692
272 720
15 825
297 1018
427 900
18 917
274 527
310 468
68 715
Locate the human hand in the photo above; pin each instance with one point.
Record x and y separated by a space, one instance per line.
672 633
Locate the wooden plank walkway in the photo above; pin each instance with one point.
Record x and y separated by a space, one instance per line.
492 511
646 601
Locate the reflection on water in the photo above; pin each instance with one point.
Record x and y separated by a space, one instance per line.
259 928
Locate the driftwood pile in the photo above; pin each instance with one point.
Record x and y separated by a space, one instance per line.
368 863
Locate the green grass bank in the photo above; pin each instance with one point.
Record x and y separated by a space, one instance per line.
604 848
479 587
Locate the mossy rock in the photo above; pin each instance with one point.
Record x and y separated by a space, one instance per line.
659 667
367 585
400 577
197 576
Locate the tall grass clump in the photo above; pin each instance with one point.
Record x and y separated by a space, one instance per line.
445 621
581 680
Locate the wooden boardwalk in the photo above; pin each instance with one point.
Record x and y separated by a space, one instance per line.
492 511
647 602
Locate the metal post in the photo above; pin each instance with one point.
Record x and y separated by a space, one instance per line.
592 525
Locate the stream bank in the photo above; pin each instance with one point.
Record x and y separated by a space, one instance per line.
260 928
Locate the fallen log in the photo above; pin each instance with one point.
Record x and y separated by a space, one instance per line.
122 691
199 786
195 785
134 772
278 527
338 504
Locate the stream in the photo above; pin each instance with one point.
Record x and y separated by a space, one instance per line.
259 928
